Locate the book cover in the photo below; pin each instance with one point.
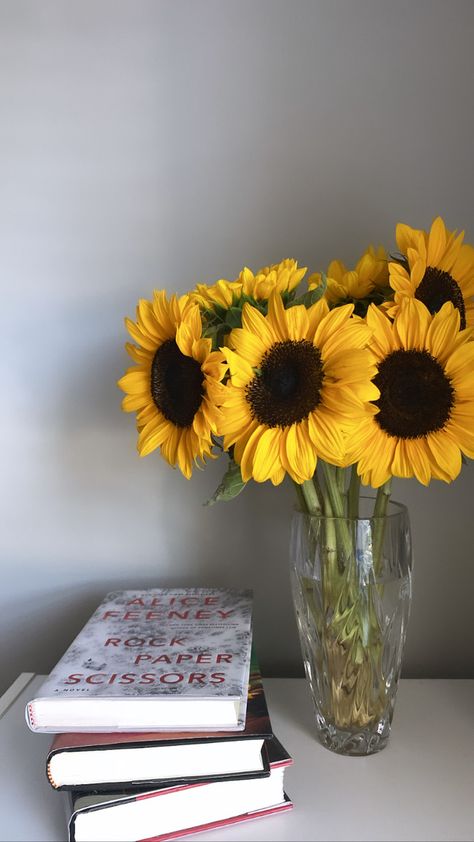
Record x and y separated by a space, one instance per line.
169 812
164 645
257 728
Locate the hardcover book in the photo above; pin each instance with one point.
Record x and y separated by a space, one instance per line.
135 761
166 813
167 659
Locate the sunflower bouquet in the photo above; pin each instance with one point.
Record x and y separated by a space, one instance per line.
357 376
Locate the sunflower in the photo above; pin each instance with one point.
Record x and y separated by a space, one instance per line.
297 377
283 277
437 267
175 385
221 295
369 277
424 416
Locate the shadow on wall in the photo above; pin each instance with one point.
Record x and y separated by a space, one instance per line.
50 621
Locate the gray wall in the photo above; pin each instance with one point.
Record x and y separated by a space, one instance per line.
151 144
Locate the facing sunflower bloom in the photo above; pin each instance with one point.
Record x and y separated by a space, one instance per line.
175 385
437 267
298 377
364 283
425 412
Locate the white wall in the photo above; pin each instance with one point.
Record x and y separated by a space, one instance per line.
151 144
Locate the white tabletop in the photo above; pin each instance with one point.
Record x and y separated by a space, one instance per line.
421 787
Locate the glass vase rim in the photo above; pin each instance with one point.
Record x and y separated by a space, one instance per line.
399 509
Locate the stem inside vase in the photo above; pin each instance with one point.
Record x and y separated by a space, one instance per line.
351 589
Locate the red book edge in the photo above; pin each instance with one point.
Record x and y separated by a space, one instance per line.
275 764
244 817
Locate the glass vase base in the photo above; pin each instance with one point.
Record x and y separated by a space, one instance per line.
352 743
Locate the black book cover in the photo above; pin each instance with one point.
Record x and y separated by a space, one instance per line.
79 801
257 725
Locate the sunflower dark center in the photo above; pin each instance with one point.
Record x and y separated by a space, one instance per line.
438 287
288 386
416 396
176 384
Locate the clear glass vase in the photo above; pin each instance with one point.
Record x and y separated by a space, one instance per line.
351 581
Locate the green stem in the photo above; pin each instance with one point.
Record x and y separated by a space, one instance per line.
300 496
335 499
380 511
337 505
353 494
311 497
382 499
323 500
341 480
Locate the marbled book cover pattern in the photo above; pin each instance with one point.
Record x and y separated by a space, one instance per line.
172 641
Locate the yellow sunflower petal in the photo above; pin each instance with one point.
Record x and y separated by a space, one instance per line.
139 337
406 237
462 270
278 477
418 458
412 324
276 317
294 459
316 313
331 323
383 340
436 242
163 312
134 382
189 332
305 456
240 369
297 321
139 355
417 267
443 334
381 462
247 459
152 436
249 346
399 278
445 453
255 323
460 431
132 403
337 270
460 361
326 433
266 459
148 322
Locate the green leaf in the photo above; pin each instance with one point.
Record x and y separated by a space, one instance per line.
211 331
217 333
259 305
232 484
400 258
234 317
312 296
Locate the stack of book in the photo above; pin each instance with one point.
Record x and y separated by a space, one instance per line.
161 723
